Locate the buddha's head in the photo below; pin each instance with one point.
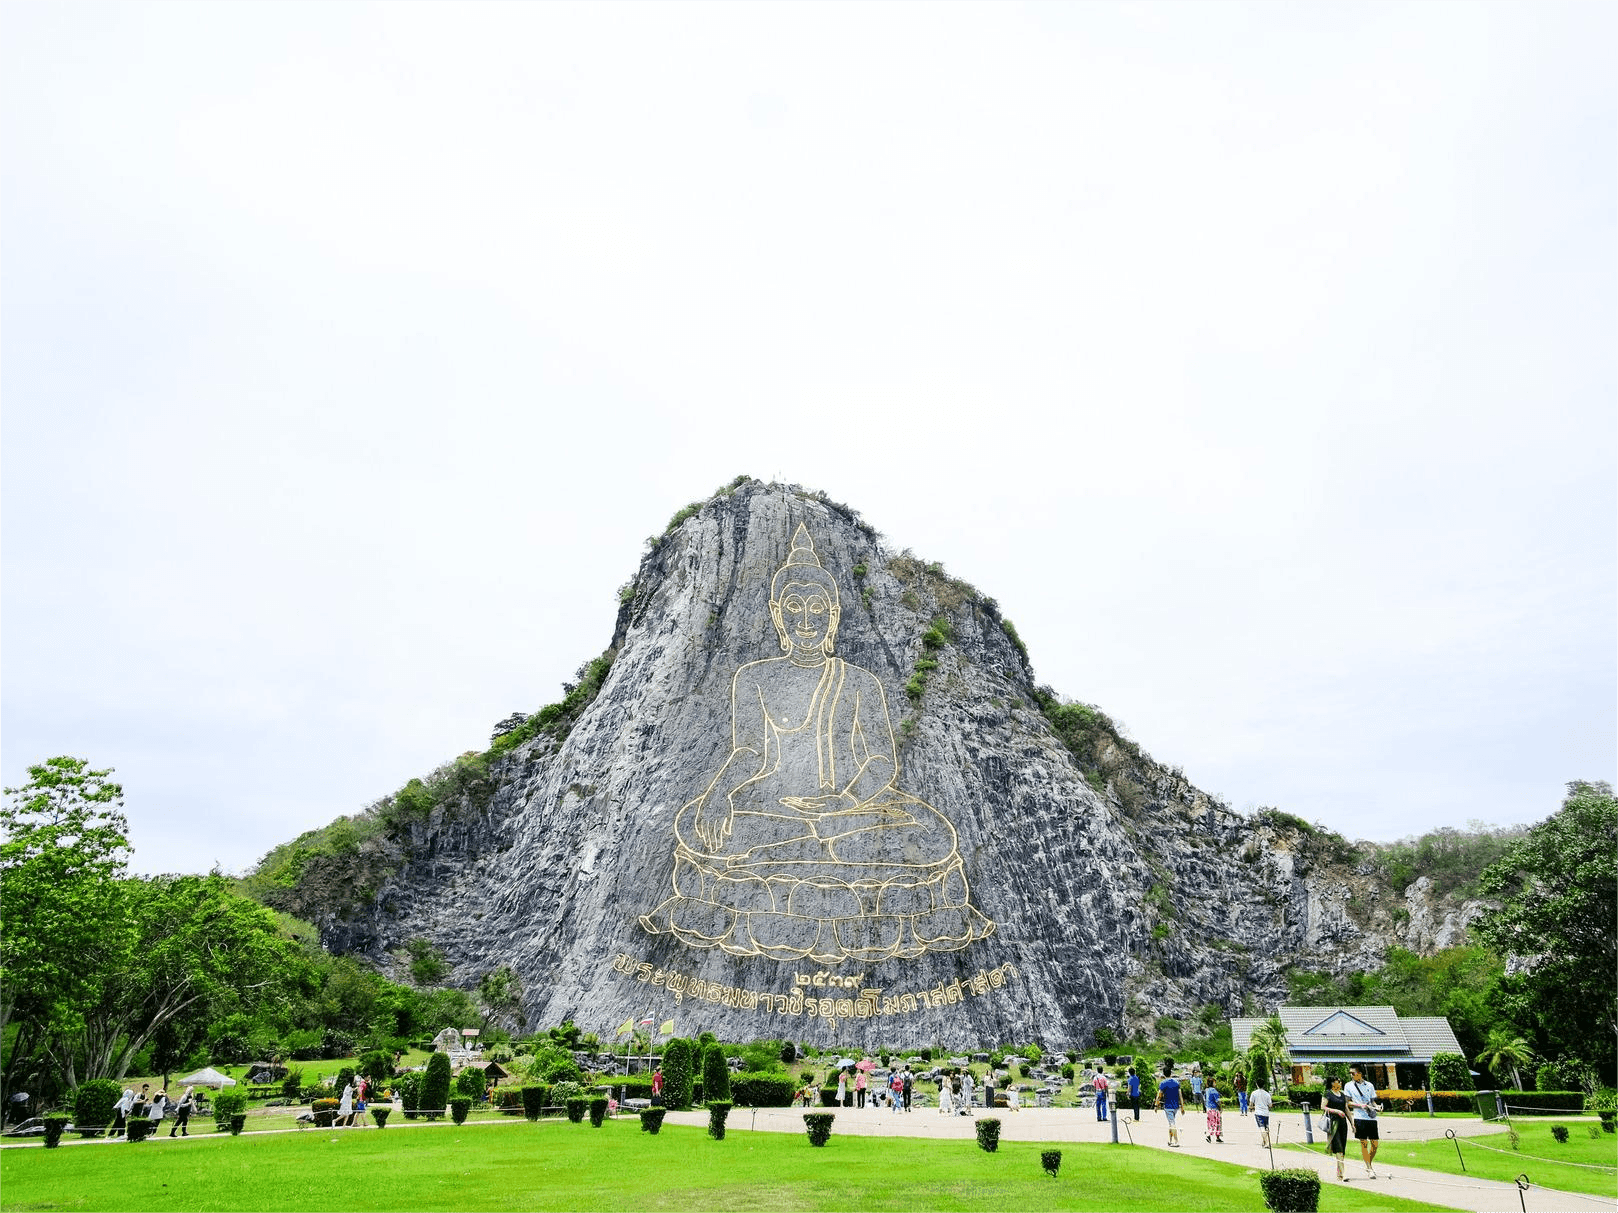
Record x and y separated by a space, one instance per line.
803 601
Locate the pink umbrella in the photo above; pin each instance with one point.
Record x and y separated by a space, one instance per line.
865 1064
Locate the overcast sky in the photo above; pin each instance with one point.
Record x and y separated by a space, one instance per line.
1259 360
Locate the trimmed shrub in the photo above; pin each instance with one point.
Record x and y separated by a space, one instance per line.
818 1125
718 1109
533 1100
988 1128
140 1129
576 1108
292 1084
435 1086
828 1097
1448 1072
715 1074
325 1110
409 1088
761 1090
1051 1160
229 1102
459 1106
471 1083
651 1120
380 1115
92 1106
598 1111
677 1074
789 1052
1290 1191
1559 1132
237 1123
54 1124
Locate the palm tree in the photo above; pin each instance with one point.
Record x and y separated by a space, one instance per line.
1506 1054
1269 1043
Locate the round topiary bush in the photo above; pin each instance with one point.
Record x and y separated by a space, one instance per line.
459 1106
576 1108
140 1129
1559 1132
54 1124
988 1128
651 1120
1290 1191
718 1109
92 1106
818 1125
1051 1160
227 1103
237 1123
598 1111
380 1115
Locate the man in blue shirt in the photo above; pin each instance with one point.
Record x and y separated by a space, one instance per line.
1134 1091
1168 1098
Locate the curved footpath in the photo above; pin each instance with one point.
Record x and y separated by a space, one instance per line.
1241 1147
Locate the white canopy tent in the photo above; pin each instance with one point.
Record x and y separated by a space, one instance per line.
208 1077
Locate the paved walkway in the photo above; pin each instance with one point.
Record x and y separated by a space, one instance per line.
1241 1146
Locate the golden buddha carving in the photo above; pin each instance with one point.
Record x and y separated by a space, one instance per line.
803 844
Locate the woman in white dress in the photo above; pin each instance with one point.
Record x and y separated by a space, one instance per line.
946 1101
345 1108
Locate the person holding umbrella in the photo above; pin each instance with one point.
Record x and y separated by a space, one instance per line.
861 1078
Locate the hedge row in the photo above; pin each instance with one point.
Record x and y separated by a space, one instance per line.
1394 1099
761 1090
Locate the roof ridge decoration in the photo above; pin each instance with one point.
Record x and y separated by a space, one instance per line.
1341 1023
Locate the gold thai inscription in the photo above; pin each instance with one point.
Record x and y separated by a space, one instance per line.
814 995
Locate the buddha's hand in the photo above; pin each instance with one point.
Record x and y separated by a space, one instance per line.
712 823
819 806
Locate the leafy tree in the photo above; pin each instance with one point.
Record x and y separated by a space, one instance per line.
501 995
1268 1048
377 1066
63 847
1506 1053
197 946
1557 887
427 965
1448 1072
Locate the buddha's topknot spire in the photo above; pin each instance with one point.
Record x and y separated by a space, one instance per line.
803 549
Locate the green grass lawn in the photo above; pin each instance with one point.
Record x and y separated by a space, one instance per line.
556 1165
1538 1155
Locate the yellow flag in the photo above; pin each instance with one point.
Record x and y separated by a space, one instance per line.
667 1029
628 1026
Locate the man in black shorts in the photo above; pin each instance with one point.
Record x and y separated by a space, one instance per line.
1362 1104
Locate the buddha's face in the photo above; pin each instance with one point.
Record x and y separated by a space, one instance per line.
805 616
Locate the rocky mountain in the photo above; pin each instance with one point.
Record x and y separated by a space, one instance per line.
811 790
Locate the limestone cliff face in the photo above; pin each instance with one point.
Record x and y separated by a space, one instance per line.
1106 889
